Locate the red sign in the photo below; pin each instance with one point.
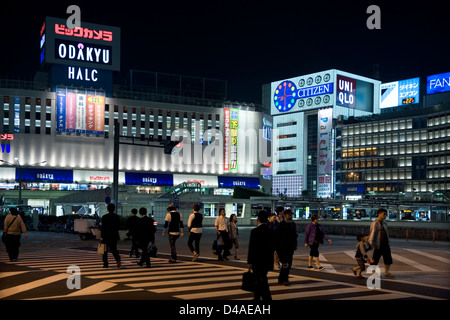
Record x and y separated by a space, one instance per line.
6 136
86 33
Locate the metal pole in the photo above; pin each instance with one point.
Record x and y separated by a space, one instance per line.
116 164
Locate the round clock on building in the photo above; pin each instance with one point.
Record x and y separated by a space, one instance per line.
285 96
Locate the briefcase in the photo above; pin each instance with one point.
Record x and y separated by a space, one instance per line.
248 281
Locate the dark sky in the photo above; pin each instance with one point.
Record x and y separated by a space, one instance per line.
247 43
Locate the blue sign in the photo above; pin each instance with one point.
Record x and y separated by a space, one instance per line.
315 90
46 175
154 179
353 189
231 182
438 83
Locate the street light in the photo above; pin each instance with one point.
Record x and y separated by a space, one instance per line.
19 167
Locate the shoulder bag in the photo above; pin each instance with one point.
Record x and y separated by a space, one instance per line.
6 231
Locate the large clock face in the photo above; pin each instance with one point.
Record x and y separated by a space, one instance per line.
285 96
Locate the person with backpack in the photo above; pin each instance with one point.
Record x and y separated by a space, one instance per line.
174 224
145 234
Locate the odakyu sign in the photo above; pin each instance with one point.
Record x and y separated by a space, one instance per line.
302 93
91 45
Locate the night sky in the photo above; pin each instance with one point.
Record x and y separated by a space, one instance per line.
247 43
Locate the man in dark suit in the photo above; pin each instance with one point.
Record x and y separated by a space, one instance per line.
145 234
260 255
110 234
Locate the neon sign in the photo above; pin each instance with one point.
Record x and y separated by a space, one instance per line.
84 33
346 92
78 51
5 138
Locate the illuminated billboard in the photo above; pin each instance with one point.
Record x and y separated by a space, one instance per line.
438 83
398 93
230 145
91 45
302 93
325 153
79 112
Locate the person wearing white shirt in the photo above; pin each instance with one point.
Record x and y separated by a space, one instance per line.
221 225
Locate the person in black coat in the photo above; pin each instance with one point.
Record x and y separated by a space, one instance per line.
145 235
110 235
285 245
260 255
132 223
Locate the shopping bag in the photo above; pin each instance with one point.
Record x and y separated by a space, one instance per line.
152 250
101 248
248 281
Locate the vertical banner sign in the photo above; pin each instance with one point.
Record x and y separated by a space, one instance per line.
346 92
90 114
99 114
61 111
234 127
81 114
226 144
325 161
71 113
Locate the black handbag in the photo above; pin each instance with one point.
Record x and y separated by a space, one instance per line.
152 250
248 281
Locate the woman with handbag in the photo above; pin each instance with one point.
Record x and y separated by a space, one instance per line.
12 230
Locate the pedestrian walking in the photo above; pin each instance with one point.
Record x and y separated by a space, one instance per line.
379 241
361 255
274 221
195 231
285 245
260 255
221 225
110 235
314 235
233 232
145 234
132 223
13 229
174 224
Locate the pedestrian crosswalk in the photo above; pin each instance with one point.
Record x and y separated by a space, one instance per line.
185 280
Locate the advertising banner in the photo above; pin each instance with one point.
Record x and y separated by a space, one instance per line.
231 125
346 92
397 93
438 83
325 156
156 179
80 113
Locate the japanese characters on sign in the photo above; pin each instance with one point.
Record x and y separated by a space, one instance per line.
399 93
85 33
80 113
5 139
231 139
